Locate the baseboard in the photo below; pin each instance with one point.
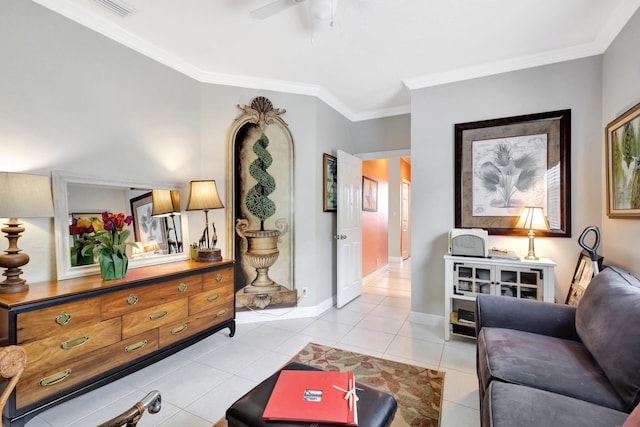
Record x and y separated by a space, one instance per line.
254 316
373 276
426 319
395 260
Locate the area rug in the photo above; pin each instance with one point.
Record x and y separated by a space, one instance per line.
417 390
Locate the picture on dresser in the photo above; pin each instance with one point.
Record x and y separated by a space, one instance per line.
148 230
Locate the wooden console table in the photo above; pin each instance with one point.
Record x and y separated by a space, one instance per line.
83 333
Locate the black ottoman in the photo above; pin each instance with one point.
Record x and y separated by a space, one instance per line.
375 408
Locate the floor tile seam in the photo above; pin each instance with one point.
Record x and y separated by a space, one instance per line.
190 413
462 371
461 404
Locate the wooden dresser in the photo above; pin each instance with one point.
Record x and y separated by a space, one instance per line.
82 333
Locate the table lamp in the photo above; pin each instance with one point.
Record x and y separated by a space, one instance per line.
532 218
166 203
204 197
21 196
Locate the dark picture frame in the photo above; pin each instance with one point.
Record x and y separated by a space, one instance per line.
147 228
623 180
503 165
329 183
369 194
581 278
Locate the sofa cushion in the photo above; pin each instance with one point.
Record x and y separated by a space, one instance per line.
547 363
510 405
606 321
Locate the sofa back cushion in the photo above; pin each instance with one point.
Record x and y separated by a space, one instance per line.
607 320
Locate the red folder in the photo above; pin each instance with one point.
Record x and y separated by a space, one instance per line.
313 396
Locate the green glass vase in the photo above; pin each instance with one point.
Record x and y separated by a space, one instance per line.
113 266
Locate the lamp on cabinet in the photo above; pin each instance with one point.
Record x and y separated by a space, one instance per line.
203 196
532 218
21 196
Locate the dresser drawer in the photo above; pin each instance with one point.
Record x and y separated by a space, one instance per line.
131 300
218 278
196 323
53 351
154 317
32 388
49 322
207 300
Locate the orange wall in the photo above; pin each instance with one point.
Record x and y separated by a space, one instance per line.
375 246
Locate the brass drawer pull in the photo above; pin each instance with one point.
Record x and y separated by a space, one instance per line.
221 312
213 297
182 287
179 329
55 378
63 318
137 346
158 315
132 299
218 277
76 342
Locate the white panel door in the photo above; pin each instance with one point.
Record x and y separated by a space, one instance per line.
349 228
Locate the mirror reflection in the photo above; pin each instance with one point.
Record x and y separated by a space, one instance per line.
156 229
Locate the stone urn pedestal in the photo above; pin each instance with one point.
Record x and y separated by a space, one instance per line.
261 253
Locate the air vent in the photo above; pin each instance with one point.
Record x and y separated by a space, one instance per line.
117 6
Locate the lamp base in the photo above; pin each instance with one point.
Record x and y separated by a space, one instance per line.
209 255
13 260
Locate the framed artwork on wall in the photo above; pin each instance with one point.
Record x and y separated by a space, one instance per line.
503 165
329 183
623 165
369 194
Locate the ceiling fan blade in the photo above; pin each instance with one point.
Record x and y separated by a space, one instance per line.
272 8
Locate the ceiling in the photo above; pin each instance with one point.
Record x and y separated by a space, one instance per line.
364 65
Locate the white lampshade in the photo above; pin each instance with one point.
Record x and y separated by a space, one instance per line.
204 196
532 218
165 202
25 196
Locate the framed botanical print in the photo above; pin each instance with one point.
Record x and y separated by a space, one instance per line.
503 165
329 183
623 165
369 194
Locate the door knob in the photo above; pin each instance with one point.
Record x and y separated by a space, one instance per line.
340 236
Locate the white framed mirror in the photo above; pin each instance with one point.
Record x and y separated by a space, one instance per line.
81 197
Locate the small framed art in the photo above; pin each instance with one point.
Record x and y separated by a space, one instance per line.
369 194
329 183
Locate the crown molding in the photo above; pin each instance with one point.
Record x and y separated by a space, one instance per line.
498 67
616 23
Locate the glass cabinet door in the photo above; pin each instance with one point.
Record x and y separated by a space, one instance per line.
519 282
471 279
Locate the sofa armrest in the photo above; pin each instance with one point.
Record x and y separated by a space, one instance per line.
545 318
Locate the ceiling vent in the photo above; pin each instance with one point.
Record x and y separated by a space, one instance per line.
117 6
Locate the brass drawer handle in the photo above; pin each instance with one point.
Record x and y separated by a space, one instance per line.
182 287
137 346
179 329
219 277
158 315
55 378
221 312
76 342
132 299
63 318
213 297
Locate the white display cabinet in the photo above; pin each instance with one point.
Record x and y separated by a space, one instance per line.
466 277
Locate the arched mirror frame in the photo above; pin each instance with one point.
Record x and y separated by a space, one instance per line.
61 181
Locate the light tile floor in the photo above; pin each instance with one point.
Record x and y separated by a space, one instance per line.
200 382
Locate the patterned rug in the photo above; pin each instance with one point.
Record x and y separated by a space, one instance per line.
417 390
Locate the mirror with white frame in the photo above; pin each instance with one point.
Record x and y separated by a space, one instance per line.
79 202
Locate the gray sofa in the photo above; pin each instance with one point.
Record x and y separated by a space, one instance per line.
544 364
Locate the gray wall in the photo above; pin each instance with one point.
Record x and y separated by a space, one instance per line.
73 100
575 85
620 85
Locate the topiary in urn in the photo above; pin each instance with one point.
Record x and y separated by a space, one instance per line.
262 245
